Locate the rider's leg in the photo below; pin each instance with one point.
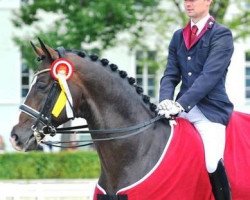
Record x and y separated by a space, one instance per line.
213 137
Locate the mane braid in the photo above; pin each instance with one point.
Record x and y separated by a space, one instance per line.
131 80
81 54
139 89
146 98
153 107
123 74
113 67
93 57
104 62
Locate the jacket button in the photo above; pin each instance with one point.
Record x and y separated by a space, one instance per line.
189 107
189 73
189 58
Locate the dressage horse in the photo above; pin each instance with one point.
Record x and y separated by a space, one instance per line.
141 155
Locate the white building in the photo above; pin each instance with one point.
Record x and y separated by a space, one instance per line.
14 79
10 76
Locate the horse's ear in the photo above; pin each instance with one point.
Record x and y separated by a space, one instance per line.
48 51
38 51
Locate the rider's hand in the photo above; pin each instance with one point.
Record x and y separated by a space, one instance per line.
165 105
169 109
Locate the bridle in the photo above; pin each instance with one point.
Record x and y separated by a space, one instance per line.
44 117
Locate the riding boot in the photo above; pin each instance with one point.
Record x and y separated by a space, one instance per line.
220 184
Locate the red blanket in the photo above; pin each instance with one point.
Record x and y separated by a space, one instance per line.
180 174
237 155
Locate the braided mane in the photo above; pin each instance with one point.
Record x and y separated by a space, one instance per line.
123 74
113 67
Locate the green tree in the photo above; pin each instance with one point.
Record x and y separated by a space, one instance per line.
170 15
79 22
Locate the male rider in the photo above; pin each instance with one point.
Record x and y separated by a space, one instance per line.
199 56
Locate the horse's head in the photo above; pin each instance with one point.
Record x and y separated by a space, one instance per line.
68 85
43 106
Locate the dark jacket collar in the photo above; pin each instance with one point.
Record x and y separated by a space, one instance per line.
187 31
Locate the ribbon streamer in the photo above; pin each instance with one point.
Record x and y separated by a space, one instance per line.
60 104
64 98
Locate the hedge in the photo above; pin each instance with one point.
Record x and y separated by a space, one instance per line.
38 165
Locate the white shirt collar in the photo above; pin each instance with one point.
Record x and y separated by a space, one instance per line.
201 23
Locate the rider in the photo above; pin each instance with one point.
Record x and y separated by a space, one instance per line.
199 56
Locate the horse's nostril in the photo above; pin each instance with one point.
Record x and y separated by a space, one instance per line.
15 137
15 143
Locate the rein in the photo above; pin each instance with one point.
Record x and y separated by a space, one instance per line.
128 132
52 131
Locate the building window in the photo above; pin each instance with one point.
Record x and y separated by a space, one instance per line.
25 80
248 75
146 67
24 1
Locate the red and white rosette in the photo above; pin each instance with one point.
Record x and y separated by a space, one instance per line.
62 66
61 70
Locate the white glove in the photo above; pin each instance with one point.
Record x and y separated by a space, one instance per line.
165 105
173 109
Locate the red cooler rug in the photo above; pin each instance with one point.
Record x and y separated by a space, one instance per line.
180 173
237 155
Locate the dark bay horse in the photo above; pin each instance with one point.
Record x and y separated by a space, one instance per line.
110 100
106 101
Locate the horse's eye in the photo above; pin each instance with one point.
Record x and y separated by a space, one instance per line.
41 85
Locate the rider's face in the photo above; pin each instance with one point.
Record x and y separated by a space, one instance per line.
197 9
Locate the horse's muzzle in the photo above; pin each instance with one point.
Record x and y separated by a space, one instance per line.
21 141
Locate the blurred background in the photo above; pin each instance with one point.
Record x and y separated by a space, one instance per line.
134 34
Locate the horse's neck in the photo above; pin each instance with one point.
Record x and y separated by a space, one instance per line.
113 103
124 162
110 101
